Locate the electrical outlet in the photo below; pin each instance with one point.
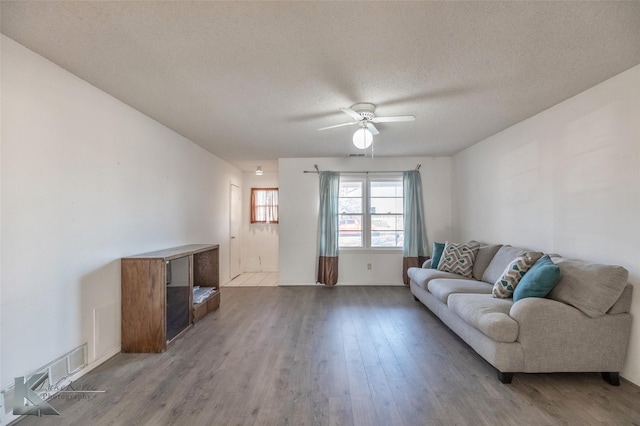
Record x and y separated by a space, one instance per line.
368 266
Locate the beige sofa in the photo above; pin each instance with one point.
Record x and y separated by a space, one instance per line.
583 325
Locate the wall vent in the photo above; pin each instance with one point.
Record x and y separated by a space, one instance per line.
77 359
58 371
7 400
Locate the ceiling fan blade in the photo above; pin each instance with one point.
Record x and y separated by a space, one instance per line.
351 113
372 129
393 119
338 125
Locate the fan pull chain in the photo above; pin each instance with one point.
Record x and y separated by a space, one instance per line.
373 142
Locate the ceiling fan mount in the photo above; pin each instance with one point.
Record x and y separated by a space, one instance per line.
366 110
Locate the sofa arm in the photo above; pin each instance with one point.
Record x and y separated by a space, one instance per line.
426 264
558 337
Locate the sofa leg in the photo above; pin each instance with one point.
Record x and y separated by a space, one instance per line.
505 377
613 378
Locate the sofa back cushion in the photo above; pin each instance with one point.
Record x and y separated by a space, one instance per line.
590 287
623 304
502 259
485 254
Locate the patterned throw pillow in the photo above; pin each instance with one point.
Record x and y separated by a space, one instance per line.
458 258
506 284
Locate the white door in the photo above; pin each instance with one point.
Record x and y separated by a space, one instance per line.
235 229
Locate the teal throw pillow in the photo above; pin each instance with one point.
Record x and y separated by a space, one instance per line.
539 280
438 248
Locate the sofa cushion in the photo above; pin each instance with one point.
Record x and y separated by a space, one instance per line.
458 258
438 248
539 279
513 273
422 276
502 259
590 287
442 288
483 258
486 314
623 304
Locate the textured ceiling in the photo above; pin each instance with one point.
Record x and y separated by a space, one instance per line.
253 81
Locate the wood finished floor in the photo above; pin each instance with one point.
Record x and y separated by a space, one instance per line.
254 279
331 356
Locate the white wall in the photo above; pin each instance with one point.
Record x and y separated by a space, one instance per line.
299 203
87 180
259 241
1 137
566 181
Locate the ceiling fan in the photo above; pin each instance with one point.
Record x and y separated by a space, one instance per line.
364 116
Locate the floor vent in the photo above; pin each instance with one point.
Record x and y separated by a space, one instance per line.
58 372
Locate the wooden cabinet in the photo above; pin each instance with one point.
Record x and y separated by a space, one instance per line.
157 294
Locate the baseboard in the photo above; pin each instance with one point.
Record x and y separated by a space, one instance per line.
96 363
629 382
281 284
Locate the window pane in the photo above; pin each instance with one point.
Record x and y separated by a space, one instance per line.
264 205
350 231
350 239
350 189
350 205
351 208
386 205
386 222
386 189
387 238
350 223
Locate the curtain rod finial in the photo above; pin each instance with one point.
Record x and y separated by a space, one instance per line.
418 166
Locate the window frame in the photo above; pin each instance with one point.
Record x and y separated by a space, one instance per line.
366 181
253 207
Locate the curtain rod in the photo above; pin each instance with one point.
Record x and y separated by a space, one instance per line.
317 170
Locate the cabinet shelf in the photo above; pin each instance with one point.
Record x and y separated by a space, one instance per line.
210 304
157 294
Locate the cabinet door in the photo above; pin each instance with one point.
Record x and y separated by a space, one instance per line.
143 305
178 296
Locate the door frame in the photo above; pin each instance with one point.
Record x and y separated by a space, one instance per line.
238 240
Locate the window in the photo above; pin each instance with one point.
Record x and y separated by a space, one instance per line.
264 205
371 212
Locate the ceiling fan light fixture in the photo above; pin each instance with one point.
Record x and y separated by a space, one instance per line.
362 138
